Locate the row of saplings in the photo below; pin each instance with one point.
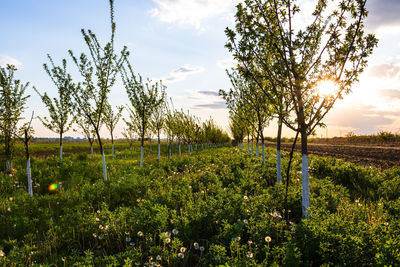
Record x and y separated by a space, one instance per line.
85 103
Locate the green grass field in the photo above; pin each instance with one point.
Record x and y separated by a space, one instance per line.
214 207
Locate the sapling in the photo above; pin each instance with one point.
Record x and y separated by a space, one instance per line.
110 120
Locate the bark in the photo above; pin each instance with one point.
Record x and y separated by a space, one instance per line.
278 153
102 155
304 174
61 144
288 177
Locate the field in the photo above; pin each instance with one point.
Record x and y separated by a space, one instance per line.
217 206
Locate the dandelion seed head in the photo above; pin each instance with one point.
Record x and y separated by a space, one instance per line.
268 239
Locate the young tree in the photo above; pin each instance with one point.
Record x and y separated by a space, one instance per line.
25 134
12 105
59 109
334 47
110 120
158 119
99 73
129 135
145 97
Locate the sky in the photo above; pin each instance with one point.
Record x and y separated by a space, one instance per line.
182 43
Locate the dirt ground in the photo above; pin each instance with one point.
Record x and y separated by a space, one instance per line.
372 155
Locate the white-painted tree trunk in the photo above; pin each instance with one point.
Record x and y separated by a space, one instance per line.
278 166
112 150
91 150
252 148
179 149
8 166
159 153
61 153
248 146
141 156
305 184
170 152
104 166
28 172
258 149
263 154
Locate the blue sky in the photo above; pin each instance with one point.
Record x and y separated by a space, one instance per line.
182 42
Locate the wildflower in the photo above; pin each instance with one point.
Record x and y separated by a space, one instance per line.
94 235
196 245
175 231
106 227
97 219
8 209
158 258
11 199
386 223
267 239
168 240
2 254
127 233
249 254
246 197
249 242
183 249
98 211
150 258
100 237
181 255
201 248
238 220
238 238
131 244
128 239
140 234
101 227
245 221
138 200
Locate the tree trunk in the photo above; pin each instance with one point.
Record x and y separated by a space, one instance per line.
263 149
7 148
112 146
258 145
248 142
278 153
288 177
188 149
28 164
179 148
252 147
304 173
141 151
61 143
102 155
159 146
91 149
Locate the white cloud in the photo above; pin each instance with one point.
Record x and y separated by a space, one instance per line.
4 60
181 73
190 12
226 63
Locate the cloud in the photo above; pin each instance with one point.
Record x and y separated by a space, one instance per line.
209 93
190 12
365 119
385 71
383 14
181 73
213 105
226 63
4 60
389 93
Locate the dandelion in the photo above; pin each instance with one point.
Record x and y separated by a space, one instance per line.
11 199
106 227
94 235
196 245
386 223
2 254
238 238
249 242
8 209
245 221
158 258
97 219
183 249
140 234
181 255
127 233
175 231
98 211
168 240
201 248
249 254
246 197
138 200
268 239
128 239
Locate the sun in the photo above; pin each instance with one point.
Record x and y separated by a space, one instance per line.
327 88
